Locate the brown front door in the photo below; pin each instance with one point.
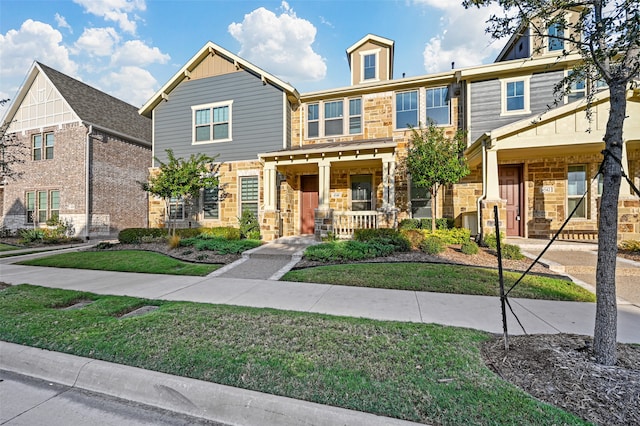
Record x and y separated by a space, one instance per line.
309 185
511 190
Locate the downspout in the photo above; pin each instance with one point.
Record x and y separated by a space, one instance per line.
87 184
479 236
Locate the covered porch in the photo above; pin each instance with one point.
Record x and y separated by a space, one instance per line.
330 189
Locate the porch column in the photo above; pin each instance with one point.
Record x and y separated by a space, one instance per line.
324 184
493 187
269 178
388 183
625 188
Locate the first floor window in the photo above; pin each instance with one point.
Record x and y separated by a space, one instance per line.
176 208
249 194
576 187
406 109
210 203
361 194
212 123
438 105
420 202
42 206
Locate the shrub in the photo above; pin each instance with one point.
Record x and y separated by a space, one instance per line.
414 236
31 235
135 235
220 245
338 251
630 245
451 236
174 241
226 232
511 251
469 247
491 242
441 223
384 236
432 245
188 232
249 225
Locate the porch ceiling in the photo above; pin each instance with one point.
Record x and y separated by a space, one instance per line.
372 149
524 154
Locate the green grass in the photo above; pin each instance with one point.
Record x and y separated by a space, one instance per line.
7 247
123 261
426 373
440 278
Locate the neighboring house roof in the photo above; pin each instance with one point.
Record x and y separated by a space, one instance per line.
91 105
211 48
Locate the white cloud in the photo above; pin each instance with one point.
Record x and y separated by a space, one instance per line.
98 41
62 22
135 52
280 44
33 41
132 84
453 43
115 10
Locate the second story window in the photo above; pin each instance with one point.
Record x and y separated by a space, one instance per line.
406 109
438 105
333 118
355 116
212 123
38 151
555 37
369 66
515 96
313 120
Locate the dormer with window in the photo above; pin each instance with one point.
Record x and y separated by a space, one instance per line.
371 60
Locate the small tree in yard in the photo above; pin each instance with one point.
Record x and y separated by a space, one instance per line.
435 160
11 151
607 37
182 179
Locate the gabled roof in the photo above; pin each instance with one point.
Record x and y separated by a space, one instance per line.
211 48
370 37
90 104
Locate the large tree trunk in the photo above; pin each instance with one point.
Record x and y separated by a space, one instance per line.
606 310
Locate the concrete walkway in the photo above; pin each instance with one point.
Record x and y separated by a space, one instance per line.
234 285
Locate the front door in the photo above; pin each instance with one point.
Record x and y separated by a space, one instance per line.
511 190
309 187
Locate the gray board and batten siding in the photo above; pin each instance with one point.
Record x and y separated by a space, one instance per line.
486 102
256 117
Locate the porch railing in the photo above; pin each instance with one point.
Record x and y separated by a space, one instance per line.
344 223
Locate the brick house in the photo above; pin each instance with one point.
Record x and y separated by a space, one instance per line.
84 153
338 163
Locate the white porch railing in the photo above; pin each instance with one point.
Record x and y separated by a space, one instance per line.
344 223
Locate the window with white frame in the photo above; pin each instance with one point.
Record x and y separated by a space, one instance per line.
42 205
327 118
438 106
212 122
369 69
515 96
576 187
211 203
176 208
355 116
406 109
555 37
249 194
333 124
40 152
313 120
420 202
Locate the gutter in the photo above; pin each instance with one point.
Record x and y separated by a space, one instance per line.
117 134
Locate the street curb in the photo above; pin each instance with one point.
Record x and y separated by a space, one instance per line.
192 397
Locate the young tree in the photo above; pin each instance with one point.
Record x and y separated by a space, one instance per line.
11 151
434 160
607 37
182 180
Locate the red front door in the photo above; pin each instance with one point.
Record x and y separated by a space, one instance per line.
309 186
511 190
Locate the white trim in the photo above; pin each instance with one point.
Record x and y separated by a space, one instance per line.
210 106
503 95
345 117
418 112
449 120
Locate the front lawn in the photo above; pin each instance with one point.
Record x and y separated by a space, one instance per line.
123 261
425 373
440 278
7 247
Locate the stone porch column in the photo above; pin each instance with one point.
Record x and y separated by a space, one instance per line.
388 184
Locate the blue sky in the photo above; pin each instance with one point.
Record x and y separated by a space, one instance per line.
130 48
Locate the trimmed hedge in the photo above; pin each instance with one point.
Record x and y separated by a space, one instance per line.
226 232
441 223
384 236
432 245
337 251
220 245
138 235
135 235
